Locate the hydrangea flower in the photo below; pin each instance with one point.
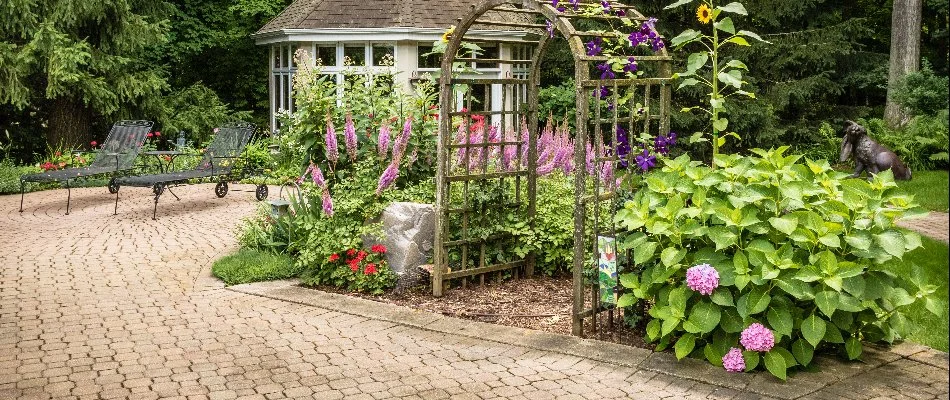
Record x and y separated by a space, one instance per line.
757 338
733 361
702 278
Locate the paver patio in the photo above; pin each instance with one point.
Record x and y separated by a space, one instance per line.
100 306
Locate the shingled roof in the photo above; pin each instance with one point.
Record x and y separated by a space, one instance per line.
328 14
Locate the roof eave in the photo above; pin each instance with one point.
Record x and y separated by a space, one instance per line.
369 34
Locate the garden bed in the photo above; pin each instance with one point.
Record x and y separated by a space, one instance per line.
542 304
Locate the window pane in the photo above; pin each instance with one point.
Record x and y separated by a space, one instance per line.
277 56
428 61
488 52
285 61
276 91
293 55
286 93
356 55
383 55
327 55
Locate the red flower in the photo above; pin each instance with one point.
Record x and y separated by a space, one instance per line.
361 256
351 252
370 269
149 135
334 257
157 134
354 265
93 143
378 248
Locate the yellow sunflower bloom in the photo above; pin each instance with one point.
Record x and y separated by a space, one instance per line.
704 14
448 34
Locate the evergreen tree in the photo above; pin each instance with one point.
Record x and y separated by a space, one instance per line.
71 62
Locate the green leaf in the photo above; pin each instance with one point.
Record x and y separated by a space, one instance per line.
803 352
627 300
704 317
653 329
892 242
722 123
696 61
737 64
722 297
934 306
732 78
723 237
813 329
754 36
713 355
775 363
738 40
740 262
785 225
685 37
830 240
827 302
751 360
832 334
644 252
669 325
687 82
734 7
685 345
859 240
671 256
731 322
759 300
780 319
725 25
677 4
853 347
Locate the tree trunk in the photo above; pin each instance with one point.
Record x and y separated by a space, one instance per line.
905 53
70 124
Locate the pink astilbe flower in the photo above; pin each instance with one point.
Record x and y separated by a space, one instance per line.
524 141
702 278
327 203
461 137
757 338
589 159
349 137
545 169
388 177
510 151
733 361
383 146
332 148
607 175
317 175
399 146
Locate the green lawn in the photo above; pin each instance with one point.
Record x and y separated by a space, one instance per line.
934 261
930 188
248 265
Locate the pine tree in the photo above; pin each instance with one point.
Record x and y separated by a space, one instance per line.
74 61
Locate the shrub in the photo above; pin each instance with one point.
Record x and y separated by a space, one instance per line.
922 92
357 271
250 265
922 144
795 248
10 176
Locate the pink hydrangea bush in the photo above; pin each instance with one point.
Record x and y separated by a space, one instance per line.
757 337
702 278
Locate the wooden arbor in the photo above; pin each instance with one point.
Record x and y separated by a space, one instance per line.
481 204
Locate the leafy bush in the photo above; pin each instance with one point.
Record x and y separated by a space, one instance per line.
250 265
10 177
827 145
792 246
922 92
559 101
196 109
357 271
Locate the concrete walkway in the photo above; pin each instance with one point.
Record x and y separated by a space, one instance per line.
96 306
935 225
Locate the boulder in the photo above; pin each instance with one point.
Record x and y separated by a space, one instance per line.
409 229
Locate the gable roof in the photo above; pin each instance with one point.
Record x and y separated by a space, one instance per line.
329 14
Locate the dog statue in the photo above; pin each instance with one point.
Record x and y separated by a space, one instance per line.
868 154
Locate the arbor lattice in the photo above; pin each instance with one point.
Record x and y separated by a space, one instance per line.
475 197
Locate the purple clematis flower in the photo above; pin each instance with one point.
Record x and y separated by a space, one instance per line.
606 72
645 160
594 47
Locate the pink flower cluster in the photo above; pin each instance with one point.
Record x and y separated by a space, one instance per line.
733 361
757 337
702 278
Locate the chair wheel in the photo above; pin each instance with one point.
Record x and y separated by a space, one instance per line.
113 186
221 189
261 192
158 189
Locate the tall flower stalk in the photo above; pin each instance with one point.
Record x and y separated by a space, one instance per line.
349 137
724 78
332 148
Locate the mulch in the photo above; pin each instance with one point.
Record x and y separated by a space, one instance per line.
540 303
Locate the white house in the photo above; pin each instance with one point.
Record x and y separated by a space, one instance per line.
365 31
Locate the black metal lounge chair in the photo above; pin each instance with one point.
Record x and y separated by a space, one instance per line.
218 162
116 157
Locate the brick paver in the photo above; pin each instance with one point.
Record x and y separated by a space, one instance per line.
935 225
100 306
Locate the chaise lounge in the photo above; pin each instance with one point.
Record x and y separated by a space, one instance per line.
218 162
116 157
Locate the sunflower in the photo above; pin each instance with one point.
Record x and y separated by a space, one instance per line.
704 14
448 34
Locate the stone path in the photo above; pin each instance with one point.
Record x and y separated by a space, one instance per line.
96 306
935 225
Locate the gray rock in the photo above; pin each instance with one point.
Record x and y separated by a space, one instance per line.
409 229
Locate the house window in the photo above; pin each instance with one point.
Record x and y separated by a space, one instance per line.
427 60
327 55
380 51
488 53
356 55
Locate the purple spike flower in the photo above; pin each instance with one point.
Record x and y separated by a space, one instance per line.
388 177
332 149
383 146
399 146
349 137
510 151
589 159
317 176
607 175
554 3
327 203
